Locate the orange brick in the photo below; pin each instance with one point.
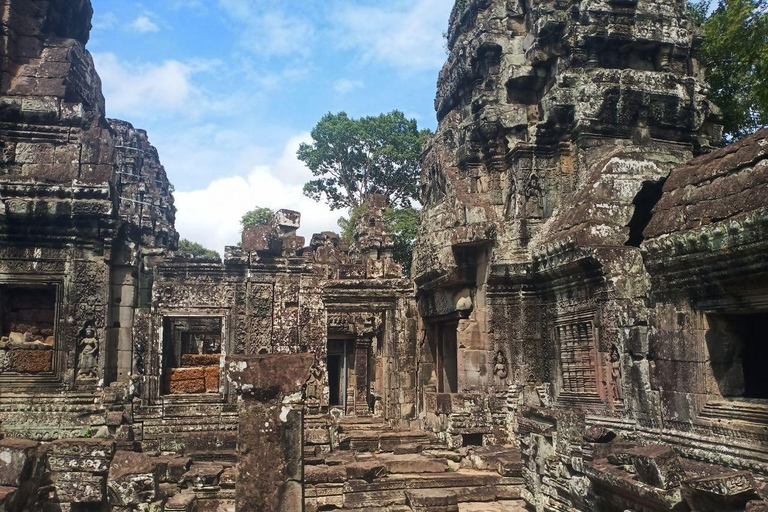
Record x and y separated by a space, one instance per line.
212 379
186 373
178 387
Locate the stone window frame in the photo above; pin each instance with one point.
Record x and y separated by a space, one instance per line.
717 407
59 362
225 315
570 318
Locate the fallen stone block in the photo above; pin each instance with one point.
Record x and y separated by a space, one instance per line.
658 466
324 474
729 491
7 496
132 479
75 487
432 500
228 478
182 502
80 455
368 470
16 460
202 475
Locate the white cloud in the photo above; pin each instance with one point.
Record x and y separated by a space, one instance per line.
405 34
211 216
152 89
143 25
269 32
105 21
345 85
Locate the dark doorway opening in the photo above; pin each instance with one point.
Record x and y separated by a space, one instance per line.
334 379
738 350
644 201
340 353
444 351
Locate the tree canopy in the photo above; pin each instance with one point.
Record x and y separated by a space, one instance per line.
196 250
404 224
354 158
257 217
735 55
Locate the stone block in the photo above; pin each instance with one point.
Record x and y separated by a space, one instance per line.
16 461
7 496
202 475
30 361
324 474
175 469
728 491
658 466
228 478
80 455
182 502
75 487
432 500
132 479
367 470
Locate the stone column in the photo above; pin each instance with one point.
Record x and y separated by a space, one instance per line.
270 430
362 350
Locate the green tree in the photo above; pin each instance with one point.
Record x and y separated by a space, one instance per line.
257 217
354 158
735 55
347 224
197 251
403 223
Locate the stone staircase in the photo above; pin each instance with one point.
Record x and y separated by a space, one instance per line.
364 465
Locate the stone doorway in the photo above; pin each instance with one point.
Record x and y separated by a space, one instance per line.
340 361
445 354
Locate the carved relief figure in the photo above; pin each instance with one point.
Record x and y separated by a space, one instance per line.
534 196
88 360
315 386
615 373
500 366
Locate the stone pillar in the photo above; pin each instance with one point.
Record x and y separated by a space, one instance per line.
362 350
270 436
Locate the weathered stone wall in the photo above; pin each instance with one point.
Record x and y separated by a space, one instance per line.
559 124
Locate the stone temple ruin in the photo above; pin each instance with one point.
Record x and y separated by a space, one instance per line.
585 329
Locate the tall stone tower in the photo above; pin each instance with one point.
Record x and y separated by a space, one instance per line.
559 122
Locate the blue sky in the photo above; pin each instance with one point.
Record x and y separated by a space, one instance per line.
227 89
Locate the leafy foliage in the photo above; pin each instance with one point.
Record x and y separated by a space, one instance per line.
354 158
404 224
257 217
197 251
347 224
735 53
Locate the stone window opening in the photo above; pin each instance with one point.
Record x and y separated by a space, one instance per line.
738 354
192 352
650 194
27 329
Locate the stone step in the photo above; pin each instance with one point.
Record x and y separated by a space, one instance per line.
432 500
461 478
413 463
495 506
